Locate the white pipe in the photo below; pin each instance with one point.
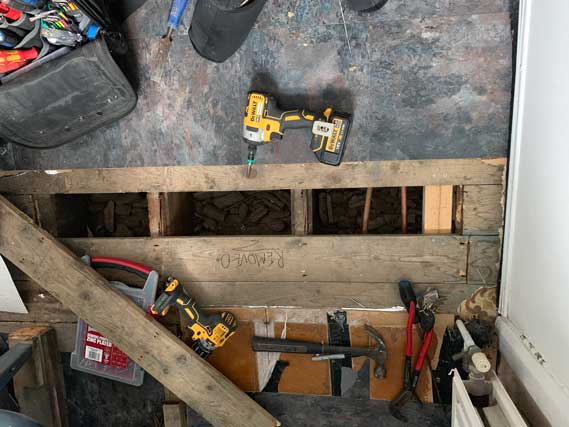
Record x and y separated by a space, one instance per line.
468 341
478 358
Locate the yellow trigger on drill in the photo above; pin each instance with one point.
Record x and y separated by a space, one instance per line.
172 286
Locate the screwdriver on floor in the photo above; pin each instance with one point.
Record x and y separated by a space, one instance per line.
174 18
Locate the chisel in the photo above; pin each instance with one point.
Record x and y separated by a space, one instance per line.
174 18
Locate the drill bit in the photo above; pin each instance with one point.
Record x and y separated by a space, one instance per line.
251 159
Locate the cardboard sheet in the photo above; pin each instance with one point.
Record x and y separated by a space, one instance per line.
10 300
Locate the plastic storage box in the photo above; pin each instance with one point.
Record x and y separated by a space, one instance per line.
97 355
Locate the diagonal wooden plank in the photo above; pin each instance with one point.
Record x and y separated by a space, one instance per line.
145 340
422 259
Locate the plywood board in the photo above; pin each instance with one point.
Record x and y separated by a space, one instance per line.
304 375
484 260
482 209
236 360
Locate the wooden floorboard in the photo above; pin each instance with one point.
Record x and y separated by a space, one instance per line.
422 259
483 209
484 260
393 173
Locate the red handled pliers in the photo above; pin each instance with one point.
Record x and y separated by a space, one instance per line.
426 318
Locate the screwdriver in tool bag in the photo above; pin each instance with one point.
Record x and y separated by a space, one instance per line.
174 18
11 60
176 12
9 13
8 39
25 5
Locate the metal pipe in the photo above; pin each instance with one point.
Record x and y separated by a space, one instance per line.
404 210
367 206
12 361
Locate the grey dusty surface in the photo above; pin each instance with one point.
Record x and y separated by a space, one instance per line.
320 411
99 402
424 79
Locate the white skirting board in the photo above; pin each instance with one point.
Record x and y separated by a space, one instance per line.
550 395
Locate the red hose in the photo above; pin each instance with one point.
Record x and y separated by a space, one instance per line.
122 262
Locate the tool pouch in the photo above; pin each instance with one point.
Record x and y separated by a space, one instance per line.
220 27
65 98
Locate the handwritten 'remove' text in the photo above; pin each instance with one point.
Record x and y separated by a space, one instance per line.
261 258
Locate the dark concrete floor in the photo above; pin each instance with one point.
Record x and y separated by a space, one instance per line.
423 79
98 402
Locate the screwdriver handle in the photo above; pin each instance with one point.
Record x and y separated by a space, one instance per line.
176 13
8 39
9 13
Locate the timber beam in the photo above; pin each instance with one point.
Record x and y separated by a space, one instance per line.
298 176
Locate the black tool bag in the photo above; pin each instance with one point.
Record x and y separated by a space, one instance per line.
65 98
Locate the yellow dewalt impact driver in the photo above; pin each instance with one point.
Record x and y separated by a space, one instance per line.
265 122
208 331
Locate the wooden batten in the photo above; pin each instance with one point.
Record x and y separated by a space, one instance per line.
388 173
437 209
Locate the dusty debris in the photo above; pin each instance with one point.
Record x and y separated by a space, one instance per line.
227 200
244 212
210 211
341 211
258 213
109 216
117 215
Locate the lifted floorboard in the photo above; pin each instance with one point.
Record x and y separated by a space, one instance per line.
422 259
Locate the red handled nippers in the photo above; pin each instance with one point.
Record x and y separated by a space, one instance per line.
426 319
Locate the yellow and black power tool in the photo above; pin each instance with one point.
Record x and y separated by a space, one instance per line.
208 331
265 122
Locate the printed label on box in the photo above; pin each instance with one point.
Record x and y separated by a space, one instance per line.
102 350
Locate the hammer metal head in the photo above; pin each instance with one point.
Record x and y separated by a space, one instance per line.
379 352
